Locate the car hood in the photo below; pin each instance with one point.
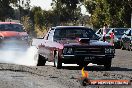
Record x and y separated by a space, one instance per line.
77 43
12 33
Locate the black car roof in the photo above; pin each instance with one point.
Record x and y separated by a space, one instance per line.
71 27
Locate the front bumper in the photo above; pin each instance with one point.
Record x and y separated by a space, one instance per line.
86 58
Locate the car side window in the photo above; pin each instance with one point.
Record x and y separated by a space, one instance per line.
2 27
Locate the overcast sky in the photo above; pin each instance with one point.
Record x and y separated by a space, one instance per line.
44 4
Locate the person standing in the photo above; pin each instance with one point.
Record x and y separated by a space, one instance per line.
112 35
104 32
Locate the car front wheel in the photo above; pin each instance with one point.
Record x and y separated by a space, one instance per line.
41 61
57 62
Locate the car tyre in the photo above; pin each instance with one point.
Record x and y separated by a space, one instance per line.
41 61
107 64
57 62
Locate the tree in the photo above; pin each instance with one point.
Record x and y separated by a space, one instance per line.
7 7
37 16
120 11
67 10
6 11
99 10
116 13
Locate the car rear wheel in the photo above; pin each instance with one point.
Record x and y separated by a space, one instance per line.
107 64
57 62
41 61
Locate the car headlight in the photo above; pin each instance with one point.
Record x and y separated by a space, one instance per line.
68 51
109 50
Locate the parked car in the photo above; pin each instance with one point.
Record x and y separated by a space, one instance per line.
100 32
73 45
127 40
12 32
118 33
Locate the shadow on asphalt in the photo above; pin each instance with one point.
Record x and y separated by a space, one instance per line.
96 68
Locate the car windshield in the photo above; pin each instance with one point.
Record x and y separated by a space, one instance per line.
11 27
120 31
73 33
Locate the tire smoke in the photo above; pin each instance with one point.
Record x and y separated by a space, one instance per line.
21 55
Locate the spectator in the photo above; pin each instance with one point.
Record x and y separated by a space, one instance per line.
112 36
104 32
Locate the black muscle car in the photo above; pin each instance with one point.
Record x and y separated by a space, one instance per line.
74 45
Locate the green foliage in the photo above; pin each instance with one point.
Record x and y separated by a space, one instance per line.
67 10
41 17
115 13
7 7
37 16
6 10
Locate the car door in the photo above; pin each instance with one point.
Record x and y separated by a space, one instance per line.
49 46
42 47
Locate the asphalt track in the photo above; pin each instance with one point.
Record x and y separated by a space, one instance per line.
24 74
